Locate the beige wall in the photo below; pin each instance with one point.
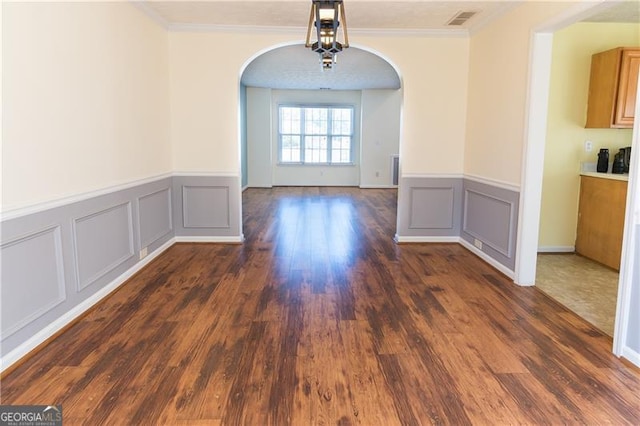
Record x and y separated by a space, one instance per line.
205 72
434 74
85 99
566 135
498 79
92 86
97 94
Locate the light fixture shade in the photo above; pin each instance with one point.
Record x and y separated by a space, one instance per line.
326 18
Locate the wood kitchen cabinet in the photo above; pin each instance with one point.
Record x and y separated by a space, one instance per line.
601 219
612 88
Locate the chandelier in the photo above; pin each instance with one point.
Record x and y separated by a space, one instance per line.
326 17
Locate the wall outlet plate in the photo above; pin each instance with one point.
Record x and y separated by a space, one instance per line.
143 253
588 146
477 243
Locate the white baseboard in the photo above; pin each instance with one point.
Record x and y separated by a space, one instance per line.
40 337
222 240
556 249
482 255
491 261
408 239
631 355
378 186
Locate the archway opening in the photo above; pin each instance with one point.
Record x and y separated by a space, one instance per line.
346 126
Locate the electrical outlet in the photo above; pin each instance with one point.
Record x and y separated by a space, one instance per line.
588 146
377 174
477 243
143 253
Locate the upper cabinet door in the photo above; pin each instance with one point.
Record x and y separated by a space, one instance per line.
628 88
612 88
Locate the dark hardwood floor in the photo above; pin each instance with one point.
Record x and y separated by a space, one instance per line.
320 318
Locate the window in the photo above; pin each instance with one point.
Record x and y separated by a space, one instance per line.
315 135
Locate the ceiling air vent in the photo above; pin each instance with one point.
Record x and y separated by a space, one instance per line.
460 18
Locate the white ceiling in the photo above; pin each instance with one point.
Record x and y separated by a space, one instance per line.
294 67
361 14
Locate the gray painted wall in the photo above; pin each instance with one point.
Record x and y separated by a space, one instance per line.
429 207
490 214
633 326
207 206
54 260
432 208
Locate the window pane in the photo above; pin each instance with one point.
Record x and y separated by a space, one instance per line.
341 149
315 121
318 126
315 149
290 149
289 120
341 121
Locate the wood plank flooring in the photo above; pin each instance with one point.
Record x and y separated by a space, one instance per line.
320 318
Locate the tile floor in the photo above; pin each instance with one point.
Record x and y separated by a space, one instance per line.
585 287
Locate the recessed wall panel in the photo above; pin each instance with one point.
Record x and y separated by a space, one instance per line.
154 216
489 219
102 241
205 206
32 278
431 208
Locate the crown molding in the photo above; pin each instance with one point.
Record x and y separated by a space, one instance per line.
410 32
485 20
369 32
143 6
247 29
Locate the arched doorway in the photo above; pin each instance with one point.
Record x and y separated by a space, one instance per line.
362 81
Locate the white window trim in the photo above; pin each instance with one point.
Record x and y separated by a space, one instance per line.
351 163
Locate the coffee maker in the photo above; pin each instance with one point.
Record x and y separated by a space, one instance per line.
618 162
603 161
626 153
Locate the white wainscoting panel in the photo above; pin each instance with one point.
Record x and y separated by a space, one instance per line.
490 219
32 278
205 206
102 241
154 216
432 208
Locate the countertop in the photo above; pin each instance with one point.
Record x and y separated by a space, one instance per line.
624 177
